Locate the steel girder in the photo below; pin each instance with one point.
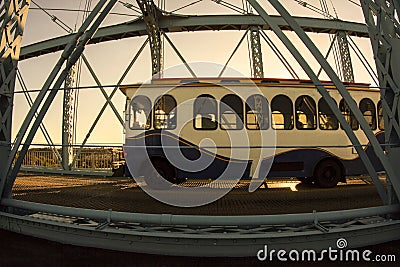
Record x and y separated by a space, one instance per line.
73 50
13 16
150 16
210 236
382 18
256 52
174 23
68 119
345 58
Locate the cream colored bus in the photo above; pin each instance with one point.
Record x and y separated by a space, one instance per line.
309 142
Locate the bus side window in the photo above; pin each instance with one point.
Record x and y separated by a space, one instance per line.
305 113
205 113
165 113
231 109
381 121
282 112
140 109
257 117
327 120
367 108
348 115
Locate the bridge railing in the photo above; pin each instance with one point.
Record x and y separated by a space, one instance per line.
96 158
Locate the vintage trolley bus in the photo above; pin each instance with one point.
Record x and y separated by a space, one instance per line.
310 144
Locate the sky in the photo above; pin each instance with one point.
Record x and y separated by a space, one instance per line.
110 59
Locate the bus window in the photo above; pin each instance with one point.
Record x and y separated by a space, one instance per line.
205 113
231 110
327 120
165 113
140 109
257 113
367 108
282 112
381 121
305 113
348 115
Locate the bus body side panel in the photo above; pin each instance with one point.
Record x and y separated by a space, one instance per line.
297 163
356 166
217 167
302 162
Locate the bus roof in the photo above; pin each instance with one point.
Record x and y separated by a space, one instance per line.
242 80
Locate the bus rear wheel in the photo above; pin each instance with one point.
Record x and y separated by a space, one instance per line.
328 173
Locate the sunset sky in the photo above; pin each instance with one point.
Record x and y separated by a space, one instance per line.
110 59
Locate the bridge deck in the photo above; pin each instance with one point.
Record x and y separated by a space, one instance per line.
122 194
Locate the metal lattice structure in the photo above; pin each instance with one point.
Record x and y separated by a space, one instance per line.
382 18
68 119
72 52
206 235
256 52
150 17
345 58
13 16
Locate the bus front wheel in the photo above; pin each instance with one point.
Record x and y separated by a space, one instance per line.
160 175
328 173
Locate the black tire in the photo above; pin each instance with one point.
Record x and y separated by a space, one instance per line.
328 173
160 175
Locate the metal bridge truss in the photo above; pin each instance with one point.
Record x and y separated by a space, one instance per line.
72 51
13 16
382 18
211 235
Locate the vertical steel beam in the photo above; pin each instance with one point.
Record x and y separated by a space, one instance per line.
13 16
383 27
71 54
345 57
68 119
256 52
150 16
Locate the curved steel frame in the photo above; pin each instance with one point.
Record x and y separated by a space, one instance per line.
212 236
174 23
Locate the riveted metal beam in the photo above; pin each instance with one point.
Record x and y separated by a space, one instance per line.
150 16
175 23
256 52
211 236
68 119
345 57
383 26
13 16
